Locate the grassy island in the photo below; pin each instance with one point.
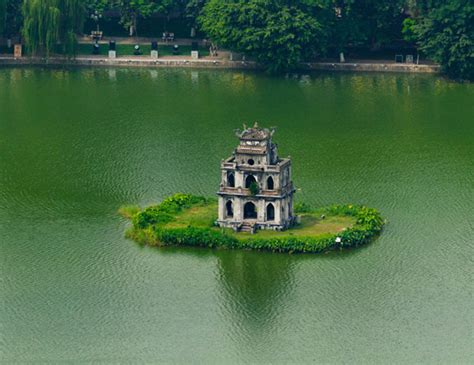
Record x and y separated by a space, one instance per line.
188 220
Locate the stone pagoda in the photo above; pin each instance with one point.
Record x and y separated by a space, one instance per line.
256 190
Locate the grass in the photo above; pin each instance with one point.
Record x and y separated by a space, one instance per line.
128 211
128 49
205 214
202 215
311 225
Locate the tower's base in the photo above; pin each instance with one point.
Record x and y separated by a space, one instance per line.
253 225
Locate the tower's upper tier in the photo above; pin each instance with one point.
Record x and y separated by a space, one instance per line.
256 146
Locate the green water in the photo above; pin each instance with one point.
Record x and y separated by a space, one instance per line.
77 144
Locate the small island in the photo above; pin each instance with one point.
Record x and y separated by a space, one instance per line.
254 209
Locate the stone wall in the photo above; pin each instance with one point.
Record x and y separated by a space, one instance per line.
218 63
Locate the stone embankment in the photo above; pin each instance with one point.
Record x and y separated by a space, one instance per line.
208 62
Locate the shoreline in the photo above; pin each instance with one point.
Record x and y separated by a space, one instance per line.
189 220
188 62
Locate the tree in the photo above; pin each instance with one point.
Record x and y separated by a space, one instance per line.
3 15
446 35
408 30
131 10
192 9
71 23
95 9
278 34
49 22
10 17
368 22
41 25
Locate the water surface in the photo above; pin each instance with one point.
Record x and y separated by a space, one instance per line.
77 144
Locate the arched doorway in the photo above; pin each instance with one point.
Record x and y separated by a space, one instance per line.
270 184
249 180
229 209
250 211
270 212
230 180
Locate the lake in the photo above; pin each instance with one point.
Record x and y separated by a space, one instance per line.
76 144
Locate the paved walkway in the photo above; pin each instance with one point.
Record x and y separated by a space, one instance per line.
145 40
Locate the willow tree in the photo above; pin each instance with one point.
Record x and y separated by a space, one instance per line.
72 21
48 23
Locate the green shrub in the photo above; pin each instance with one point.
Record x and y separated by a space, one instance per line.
254 188
165 211
129 211
302 208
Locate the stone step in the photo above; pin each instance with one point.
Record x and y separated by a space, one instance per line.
247 227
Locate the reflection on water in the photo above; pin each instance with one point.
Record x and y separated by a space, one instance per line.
255 288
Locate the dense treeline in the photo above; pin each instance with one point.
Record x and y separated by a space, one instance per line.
277 33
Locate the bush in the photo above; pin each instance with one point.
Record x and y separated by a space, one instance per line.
254 188
302 208
165 212
445 34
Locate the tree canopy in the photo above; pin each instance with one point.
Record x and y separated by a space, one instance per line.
277 34
446 35
47 22
3 15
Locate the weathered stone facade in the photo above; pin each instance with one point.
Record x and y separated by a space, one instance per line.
256 190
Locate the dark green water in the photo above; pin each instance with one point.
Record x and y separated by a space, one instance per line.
75 145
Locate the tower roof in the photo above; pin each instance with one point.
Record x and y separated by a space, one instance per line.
255 133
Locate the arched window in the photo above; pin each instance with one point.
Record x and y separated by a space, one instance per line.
229 210
249 180
270 212
230 179
251 162
270 184
250 211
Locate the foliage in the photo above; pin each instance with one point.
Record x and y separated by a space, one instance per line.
10 17
3 15
254 188
446 35
132 10
278 34
192 10
165 212
408 30
149 227
97 6
302 208
72 20
95 9
366 22
41 25
129 211
47 22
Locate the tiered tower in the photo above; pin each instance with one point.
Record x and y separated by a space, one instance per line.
256 190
